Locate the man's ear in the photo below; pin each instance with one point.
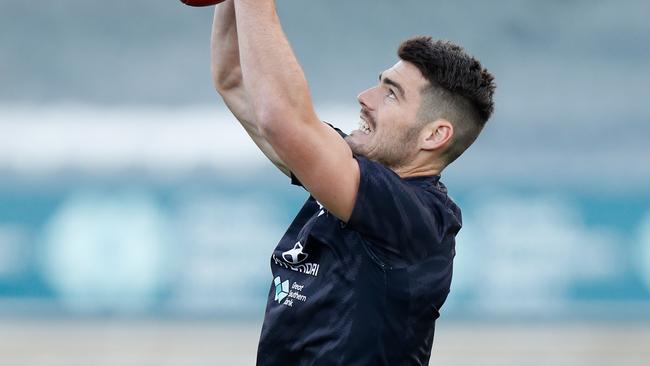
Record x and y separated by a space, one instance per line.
437 134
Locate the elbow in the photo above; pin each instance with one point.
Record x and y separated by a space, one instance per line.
223 86
226 80
270 120
279 120
275 117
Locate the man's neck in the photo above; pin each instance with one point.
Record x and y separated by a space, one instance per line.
417 171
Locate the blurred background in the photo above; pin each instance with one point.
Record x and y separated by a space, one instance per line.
137 219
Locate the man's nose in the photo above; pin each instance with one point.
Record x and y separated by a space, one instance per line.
365 98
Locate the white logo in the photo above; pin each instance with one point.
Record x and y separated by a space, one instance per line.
294 259
295 255
281 289
306 268
321 209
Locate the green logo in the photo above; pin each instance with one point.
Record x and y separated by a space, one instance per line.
281 289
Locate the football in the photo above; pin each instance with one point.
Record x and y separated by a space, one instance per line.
201 2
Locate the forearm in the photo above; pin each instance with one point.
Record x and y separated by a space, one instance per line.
272 75
226 70
227 77
278 91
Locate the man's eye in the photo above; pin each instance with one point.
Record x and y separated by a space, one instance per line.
391 94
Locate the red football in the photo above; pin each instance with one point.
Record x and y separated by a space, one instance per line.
201 2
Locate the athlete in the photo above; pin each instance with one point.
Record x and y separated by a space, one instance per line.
362 271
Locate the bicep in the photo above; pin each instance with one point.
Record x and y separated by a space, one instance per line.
322 161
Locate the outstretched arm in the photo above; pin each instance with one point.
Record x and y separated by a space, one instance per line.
278 91
227 77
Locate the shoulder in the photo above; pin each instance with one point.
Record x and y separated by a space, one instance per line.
425 201
404 220
408 206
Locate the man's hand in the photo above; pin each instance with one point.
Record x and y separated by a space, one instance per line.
227 77
278 90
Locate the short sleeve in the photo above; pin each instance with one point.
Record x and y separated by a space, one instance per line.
294 179
400 219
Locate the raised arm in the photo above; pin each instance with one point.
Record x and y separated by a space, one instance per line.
278 90
227 77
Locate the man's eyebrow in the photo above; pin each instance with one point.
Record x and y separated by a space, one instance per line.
393 83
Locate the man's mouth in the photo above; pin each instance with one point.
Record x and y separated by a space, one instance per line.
364 126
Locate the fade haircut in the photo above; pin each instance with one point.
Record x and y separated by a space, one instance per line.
460 90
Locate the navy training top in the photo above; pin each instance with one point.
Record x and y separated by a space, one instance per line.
367 292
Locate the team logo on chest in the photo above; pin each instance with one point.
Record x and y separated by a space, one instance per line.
294 259
295 255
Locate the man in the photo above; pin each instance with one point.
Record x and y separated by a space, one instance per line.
361 273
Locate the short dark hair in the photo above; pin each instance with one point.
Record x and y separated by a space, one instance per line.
460 90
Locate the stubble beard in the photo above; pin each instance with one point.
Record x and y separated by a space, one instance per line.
393 154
